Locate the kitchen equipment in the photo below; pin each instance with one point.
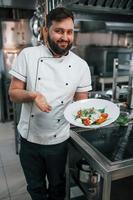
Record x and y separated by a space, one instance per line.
95 178
121 93
115 94
121 147
84 171
98 146
24 4
15 35
130 86
99 95
102 58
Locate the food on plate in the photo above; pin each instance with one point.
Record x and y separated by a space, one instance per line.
88 116
123 119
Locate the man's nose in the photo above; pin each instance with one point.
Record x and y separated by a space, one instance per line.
64 36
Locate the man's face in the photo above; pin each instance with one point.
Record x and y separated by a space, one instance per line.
60 36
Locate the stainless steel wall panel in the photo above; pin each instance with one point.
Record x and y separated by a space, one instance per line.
116 3
30 4
65 2
16 33
91 2
122 4
117 7
109 3
100 2
129 4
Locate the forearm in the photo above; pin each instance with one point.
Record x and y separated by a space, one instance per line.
80 96
21 95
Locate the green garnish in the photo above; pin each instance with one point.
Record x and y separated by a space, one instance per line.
122 120
101 110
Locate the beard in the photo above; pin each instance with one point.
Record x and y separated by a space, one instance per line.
56 49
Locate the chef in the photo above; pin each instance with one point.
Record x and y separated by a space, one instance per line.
46 79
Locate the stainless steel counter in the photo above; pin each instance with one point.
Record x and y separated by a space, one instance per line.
108 150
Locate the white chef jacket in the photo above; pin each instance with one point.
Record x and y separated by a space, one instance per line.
58 79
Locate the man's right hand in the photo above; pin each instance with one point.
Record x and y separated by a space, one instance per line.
42 103
19 94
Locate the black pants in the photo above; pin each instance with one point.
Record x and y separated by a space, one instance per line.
40 160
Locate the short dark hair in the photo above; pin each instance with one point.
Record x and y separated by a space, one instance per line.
58 14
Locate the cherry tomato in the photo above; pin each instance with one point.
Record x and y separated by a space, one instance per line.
86 122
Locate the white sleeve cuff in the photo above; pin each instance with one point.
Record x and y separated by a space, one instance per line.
17 75
84 89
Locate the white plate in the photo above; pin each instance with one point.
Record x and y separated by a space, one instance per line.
112 109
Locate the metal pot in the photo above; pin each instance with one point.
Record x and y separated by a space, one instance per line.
35 25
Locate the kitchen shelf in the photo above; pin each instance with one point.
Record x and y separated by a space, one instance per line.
90 192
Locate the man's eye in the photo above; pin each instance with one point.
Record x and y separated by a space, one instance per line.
70 32
59 31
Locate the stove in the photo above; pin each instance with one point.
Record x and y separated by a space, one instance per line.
114 143
108 150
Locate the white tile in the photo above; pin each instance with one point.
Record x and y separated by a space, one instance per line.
4 194
7 143
7 152
6 130
15 179
1 164
75 192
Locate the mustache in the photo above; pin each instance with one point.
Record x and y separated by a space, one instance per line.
61 40
55 46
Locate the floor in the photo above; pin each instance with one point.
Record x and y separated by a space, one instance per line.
12 181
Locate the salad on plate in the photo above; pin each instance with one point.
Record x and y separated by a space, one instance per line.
89 116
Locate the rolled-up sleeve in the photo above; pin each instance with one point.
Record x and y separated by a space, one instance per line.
85 81
19 67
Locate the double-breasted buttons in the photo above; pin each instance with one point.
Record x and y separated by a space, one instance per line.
39 78
66 83
32 115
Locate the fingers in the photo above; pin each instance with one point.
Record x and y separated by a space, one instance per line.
42 104
45 108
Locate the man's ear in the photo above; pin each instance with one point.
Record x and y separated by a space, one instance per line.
44 34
